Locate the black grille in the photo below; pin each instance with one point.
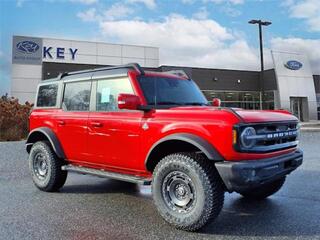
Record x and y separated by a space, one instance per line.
280 129
270 137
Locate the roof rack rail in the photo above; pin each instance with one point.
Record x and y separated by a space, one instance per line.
180 73
134 66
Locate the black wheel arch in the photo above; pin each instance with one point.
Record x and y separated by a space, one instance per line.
45 133
180 142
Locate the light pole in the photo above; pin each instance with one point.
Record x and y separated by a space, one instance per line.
261 23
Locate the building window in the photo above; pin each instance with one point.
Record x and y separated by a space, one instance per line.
318 105
269 100
241 99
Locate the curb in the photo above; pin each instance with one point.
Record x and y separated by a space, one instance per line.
310 129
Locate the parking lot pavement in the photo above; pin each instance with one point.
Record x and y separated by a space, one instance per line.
94 208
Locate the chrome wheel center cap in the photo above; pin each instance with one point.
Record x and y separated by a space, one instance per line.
180 191
43 165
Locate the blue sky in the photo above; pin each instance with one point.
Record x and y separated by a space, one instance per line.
208 33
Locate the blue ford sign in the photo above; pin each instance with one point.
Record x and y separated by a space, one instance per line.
293 65
27 47
26 50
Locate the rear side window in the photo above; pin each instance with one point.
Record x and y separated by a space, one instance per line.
47 95
77 96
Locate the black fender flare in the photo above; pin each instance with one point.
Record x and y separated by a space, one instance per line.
50 135
203 145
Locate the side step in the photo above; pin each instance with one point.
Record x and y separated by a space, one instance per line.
106 174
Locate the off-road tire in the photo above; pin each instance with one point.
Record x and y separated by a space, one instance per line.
209 190
265 190
52 177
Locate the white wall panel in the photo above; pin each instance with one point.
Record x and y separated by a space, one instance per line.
86 48
25 84
112 50
86 59
109 60
81 59
152 63
55 43
26 71
151 53
133 51
141 61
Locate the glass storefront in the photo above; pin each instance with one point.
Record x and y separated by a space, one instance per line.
269 100
241 99
318 105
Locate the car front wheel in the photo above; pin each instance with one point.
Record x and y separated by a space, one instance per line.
187 190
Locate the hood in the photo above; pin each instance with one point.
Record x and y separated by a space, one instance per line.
256 116
247 116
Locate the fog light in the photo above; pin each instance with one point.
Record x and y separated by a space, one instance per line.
249 175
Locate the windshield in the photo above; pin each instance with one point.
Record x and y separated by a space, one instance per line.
171 91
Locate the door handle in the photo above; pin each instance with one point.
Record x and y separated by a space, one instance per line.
61 122
96 124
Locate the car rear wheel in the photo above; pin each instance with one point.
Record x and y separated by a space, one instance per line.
187 190
45 167
265 190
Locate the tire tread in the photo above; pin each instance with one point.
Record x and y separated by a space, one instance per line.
211 182
58 176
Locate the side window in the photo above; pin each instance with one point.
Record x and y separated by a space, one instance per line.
47 95
77 96
108 91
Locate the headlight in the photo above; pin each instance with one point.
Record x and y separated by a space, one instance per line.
245 137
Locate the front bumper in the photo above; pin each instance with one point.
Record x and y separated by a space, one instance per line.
244 175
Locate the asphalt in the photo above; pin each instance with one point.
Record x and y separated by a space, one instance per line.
94 208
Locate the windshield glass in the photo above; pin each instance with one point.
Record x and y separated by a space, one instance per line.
171 91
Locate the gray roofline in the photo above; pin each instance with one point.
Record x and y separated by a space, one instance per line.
217 69
87 41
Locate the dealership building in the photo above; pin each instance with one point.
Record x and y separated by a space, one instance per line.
289 85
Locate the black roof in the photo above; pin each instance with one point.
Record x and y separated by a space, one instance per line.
134 66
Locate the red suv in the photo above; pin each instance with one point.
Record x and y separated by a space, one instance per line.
157 128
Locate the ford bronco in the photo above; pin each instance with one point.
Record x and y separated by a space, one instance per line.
157 128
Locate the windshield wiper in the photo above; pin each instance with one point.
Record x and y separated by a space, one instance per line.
195 104
168 103
182 104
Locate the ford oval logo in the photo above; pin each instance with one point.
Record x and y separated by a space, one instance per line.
293 65
27 47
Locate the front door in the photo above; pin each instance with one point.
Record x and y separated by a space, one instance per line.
297 107
114 135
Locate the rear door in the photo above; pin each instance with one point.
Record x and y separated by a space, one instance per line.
114 134
72 120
